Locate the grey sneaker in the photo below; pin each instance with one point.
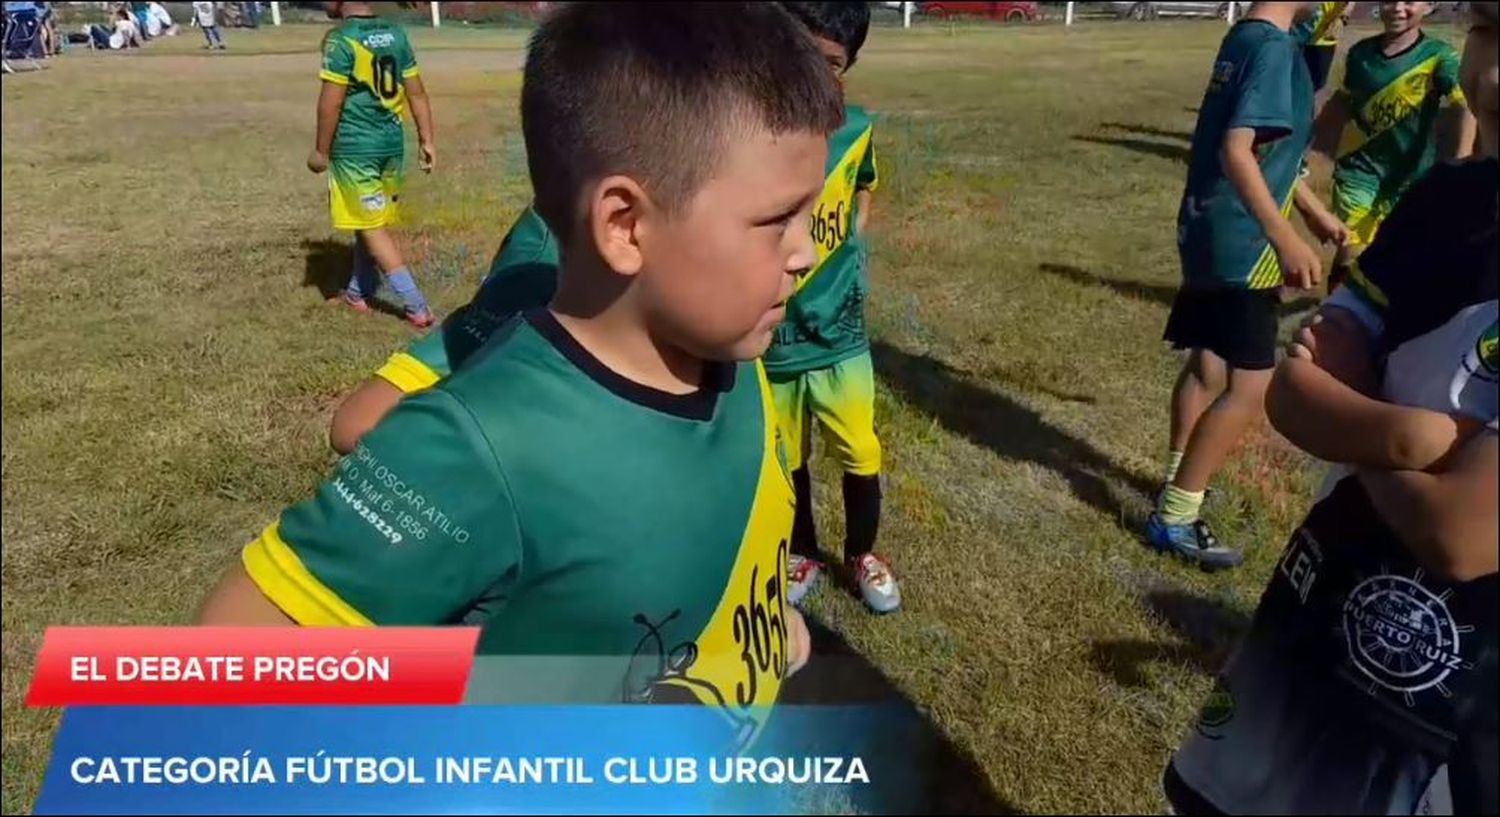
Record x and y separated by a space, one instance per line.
801 574
877 584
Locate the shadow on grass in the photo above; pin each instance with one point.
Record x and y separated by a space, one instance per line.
1206 630
1163 294
327 269
1008 428
1177 153
937 775
1158 293
1146 130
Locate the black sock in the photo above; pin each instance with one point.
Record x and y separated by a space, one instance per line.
1338 275
861 514
804 530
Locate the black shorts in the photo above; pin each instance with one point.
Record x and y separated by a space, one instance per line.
1238 325
1319 63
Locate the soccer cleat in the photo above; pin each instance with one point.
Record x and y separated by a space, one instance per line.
354 302
420 320
877 584
1192 542
801 574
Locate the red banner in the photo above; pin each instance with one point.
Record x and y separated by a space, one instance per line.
211 666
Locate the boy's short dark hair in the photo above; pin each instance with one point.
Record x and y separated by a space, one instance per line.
846 23
650 90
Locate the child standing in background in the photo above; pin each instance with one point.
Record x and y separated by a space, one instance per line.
369 74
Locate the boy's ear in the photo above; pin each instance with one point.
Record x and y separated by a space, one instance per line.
615 213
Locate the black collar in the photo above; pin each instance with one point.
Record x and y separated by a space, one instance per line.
698 405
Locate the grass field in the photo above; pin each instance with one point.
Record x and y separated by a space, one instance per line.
170 365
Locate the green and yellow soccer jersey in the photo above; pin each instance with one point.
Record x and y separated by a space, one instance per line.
825 319
523 275
1394 103
632 540
373 58
1323 26
1260 82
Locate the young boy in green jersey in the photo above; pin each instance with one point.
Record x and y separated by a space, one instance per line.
604 477
1237 247
819 363
1399 101
523 275
369 75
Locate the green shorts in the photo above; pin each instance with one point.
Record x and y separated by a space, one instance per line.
363 191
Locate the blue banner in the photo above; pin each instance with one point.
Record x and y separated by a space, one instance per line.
475 759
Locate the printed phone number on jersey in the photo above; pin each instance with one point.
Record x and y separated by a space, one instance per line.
377 494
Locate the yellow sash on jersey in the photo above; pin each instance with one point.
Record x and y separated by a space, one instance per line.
833 216
1329 16
1390 106
745 650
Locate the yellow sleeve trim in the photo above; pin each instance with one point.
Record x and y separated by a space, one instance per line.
411 72
407 373
275 568
336 79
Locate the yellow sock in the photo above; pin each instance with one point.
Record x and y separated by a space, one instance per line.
1174 461
1179 507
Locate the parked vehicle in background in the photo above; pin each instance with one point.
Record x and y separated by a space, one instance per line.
1151 11
1006 12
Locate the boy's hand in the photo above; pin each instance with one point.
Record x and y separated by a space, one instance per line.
429 156
1300 265
1337 348
1327 228
799 639
317 162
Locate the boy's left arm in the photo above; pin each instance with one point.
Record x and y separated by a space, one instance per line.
421 108
1456 127
865 182
1325 226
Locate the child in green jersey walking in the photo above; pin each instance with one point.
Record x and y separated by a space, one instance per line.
369 75
1400 106
604 477
819 364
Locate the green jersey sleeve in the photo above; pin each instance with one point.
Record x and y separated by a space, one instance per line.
338 60
416 527
1265 93
407 60
868 177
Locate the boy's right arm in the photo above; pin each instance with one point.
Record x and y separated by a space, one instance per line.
1265 111
412 529
1299 262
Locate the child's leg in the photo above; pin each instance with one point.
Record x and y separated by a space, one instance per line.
364 280
790 398
843 401
1232 330
218 37
382 246
1202 380
1219 429
208 36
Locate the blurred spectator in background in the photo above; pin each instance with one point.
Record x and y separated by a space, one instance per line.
127 32
159 20
206 17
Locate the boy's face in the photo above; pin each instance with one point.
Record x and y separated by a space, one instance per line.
1402 17
715 277
1481 81
837 56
